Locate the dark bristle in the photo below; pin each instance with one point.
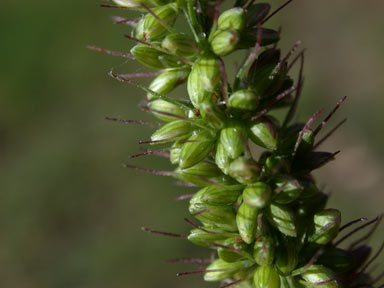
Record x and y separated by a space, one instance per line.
198 272
276 11
326 119
355 230
352 222
279 30
274 101
150 152
326 159
182 236
329 133
285 59
298 56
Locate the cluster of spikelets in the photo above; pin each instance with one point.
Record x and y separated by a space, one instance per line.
265 217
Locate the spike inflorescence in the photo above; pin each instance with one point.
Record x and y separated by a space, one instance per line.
264 215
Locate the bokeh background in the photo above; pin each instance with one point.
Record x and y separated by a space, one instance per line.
70 215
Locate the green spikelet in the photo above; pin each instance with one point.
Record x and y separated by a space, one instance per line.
260 211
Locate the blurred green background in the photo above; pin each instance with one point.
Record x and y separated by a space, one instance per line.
70 215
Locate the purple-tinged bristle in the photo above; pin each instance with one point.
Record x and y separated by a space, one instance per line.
233 283
141 41
208 181
151 171
129 121
333 130
313 259
298 56
183 197
292 109
199 271
326 119
176 235
368 235
162 154
110 52
151 152
290 52
275 12
122 20
200 212
274 101
252 56
354 231
306 127
352 222
199 227
184 184
190 260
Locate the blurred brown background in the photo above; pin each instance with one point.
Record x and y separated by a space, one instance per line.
70 215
